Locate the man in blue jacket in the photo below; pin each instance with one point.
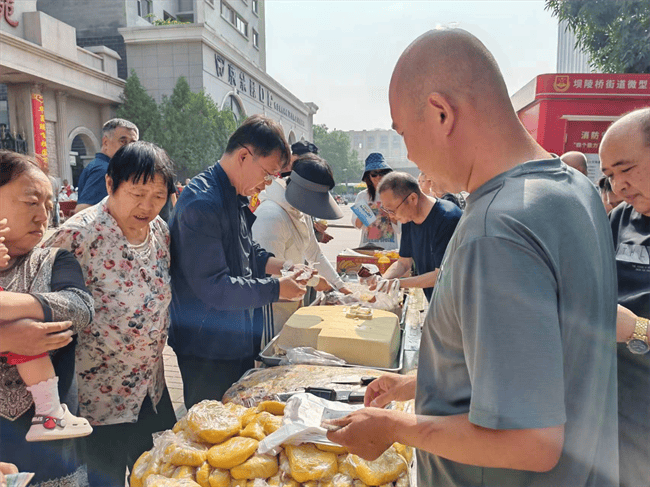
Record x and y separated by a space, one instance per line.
220 277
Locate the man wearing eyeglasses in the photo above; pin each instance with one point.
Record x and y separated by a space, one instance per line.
221 279
427 226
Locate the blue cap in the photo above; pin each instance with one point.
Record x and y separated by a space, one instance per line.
376 162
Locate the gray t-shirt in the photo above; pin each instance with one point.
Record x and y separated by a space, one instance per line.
521 331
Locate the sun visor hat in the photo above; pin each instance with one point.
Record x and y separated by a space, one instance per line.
311 198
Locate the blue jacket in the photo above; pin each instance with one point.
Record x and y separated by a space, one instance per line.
92 182
218 273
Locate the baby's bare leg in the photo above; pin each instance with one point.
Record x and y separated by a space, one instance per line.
37 370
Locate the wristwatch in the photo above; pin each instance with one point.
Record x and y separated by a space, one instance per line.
638 342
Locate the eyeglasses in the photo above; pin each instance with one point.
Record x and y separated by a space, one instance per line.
392 212
375 174
268 178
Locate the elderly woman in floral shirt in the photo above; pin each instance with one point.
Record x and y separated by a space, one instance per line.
123 248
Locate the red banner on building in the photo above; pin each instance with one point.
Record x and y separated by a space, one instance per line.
40 140
593 84
584 136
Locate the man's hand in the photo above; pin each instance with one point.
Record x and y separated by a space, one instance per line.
324 237
323 285
366 432
290 288
29 337
390 387
319 227
4 251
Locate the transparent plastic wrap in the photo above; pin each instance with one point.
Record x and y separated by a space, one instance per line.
371 291
161 481
306 462
309 355
385 469
260 385
214 422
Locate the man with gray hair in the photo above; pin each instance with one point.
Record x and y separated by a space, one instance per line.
576 160
92 182
427 226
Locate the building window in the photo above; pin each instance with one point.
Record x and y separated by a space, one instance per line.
234 19
256 6
256 39
383 141
241 25
371 142
145 9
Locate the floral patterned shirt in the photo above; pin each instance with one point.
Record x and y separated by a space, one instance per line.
119 356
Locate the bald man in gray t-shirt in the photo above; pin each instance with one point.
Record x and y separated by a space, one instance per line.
521 328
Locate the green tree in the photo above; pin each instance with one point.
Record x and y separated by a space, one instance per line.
138 107
335 148
193 130
615 34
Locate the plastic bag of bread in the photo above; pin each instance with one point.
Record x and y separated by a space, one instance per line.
385 469
306 462
213 422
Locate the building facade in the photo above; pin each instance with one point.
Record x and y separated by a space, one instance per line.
387 142
220 48
570 59
54 95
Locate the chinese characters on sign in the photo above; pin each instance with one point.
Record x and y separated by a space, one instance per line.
38 115
617 84
584 136
246 85
7 10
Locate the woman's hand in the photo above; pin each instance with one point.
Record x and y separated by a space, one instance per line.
29 337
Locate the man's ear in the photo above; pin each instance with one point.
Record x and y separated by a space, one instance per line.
109 185
444 115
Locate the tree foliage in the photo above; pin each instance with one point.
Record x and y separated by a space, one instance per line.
335 148
189 126
139 107
614 34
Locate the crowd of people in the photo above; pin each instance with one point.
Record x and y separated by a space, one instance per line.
520 378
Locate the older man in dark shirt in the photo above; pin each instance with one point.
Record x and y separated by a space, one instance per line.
220 277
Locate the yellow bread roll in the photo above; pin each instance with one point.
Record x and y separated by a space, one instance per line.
254 430
270 422
203 473
309 463
248 416
139 468
338 449
184 472
232 452
346 467
405 451
219 478
387 468
213 422
256 467
273 407
188 454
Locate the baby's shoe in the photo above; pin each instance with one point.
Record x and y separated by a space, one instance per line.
46 428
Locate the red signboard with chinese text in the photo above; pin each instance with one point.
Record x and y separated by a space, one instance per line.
40 141
584 136
593 84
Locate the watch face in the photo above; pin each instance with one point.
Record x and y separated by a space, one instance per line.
637 346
